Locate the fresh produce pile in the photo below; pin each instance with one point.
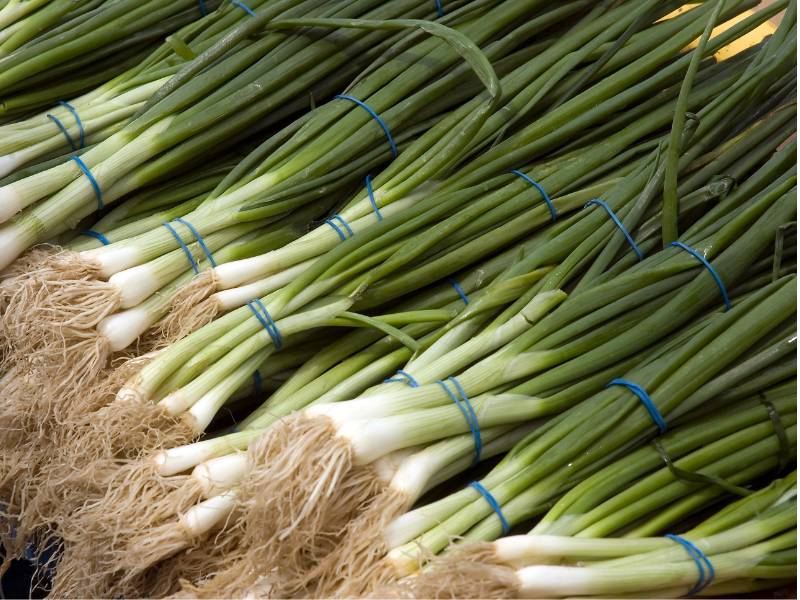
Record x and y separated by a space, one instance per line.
399 298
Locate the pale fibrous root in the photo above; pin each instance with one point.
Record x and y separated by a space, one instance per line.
135 523
465 571
300 494
53 300
356 566
189 310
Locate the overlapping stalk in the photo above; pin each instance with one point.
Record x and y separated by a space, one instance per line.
748 543
541 316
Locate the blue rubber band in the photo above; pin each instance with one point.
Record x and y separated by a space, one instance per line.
652 409
344 223
618 223
184 247
465 406
538 186
96 235
81 131
404 378
704 566
368 181
439 9
339 231
203 9
459 290
244 7
96 186
199 239
63 129
257 382
487 495
711 269
375 116
263 316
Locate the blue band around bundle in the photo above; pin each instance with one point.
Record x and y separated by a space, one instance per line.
78 122
335 221
95 186
257 382
199 239
717 279
640 393
538 186
244 7
459 290
202 5
184 247
704 566
439 8
619 225
81 133
263 316
96 235
368 182
404 378
491 501
465 406
375 116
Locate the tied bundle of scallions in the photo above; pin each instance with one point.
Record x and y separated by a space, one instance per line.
532 267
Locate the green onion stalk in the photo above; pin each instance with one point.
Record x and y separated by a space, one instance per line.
143 281
96 59
381 408
439 391
256 80
134 319
169 266
150 278
619 89
517 565
596 430
221 472
320 376
183 396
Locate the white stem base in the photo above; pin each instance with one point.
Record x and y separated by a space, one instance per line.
123 328
220 474
205 516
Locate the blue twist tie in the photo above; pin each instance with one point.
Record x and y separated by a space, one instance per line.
618 223
202 5
375 116
338 229
257 381
404 378
459 290
711 269
439 9
244 7
199 239
538 186
184 247
487 495
81 131
97 235
62 127
96 186
704 566
378 214
645 399
465 406
263 316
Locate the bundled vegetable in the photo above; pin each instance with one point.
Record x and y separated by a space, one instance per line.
559 239
747 546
